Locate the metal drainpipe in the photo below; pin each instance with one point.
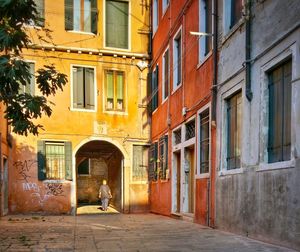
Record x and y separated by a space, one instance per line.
215 62
214 102
249 93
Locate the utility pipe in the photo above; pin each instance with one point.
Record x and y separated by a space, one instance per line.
249 93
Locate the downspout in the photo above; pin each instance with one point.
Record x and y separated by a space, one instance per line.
249 93
215 63
214 103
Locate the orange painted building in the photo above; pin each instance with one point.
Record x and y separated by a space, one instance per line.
99 128
180 102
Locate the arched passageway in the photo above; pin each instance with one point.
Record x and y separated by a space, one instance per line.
95 161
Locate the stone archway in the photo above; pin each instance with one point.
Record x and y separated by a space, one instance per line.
97 160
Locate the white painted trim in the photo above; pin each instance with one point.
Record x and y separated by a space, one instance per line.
202 109
163 76
82 32
276 166
231 172
179 31
95 88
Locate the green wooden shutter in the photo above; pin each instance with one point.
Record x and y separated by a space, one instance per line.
120 81
68 160
149 92
41 157
110 84
94 16
69 14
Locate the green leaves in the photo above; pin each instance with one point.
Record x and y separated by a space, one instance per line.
22 109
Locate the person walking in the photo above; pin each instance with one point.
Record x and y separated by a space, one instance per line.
104 194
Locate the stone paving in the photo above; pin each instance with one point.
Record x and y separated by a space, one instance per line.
118 232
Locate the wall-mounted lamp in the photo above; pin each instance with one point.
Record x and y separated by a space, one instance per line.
200 33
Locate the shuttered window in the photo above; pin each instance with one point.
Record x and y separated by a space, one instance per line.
81 15
140 163
166 78
163 157
204 142
234 114
40 7
279 139
154 89
115 90
54 160
83 88
153 158
30 84
116 23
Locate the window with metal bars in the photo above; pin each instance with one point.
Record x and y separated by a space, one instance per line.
190 130
279 136
163 157
55 160
177 136
204 142
234 121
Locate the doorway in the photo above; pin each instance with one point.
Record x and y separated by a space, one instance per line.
188 196
96 161
4 187
176 183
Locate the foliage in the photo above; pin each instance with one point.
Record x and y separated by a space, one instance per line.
23 108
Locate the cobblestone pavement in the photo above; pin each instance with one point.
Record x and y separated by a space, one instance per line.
118 232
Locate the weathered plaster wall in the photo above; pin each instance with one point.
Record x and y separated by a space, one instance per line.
260 200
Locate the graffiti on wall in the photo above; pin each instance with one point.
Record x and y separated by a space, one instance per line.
55 189
23 168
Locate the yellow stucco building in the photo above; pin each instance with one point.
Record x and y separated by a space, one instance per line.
99 127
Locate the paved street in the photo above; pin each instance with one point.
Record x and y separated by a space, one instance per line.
117 232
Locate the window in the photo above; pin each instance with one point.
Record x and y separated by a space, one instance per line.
155 16
114 90
279 136
204 142
205 25
177 60
165 4
84 167
116 24
81 15
234 114
30 86
153 155
190 130
232 13
177 136
163 157
153 92
166 75
83 88
140 163
40 7
54 160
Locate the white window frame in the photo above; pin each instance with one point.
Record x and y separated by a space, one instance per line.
224 97
129 28
286 53
202 28
198 174
95 88
174 62
165 5
163 96
155 19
